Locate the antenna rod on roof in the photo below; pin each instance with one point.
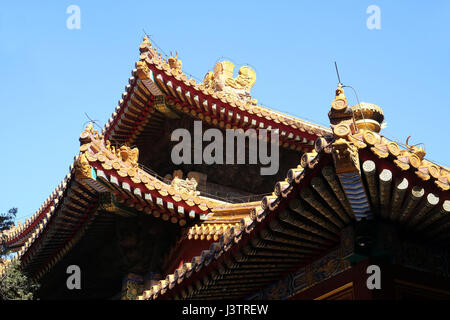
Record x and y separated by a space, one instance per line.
337 72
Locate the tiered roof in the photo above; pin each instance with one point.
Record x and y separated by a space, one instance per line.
349 173
303 217
101 177
157 83
66 214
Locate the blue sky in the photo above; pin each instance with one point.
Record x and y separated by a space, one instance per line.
51 76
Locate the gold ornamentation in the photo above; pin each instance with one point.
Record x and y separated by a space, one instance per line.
89 128
146 49
85 136
142 70
91 157
371 138
368 116
345 156
108 145
208 80
434 170
122 172
187 186
101 158
175 64
423 173
129 155
245 80
222 81
420 152
443 183
132 172
116 165
402 165
144 179
393 148
342 130
82 168
357 140
415 160
340 101
380 150
340 115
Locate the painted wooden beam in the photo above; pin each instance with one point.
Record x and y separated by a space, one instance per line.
307 195
398 196
385 191
410 203
320 186
329 174
441 213
356 194
296 206
369 169
430 201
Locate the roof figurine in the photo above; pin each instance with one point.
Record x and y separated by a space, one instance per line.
420 152
344 199
222 80
175 64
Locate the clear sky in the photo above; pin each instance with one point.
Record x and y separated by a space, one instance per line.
51 75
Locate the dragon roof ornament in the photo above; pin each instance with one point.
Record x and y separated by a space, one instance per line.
222 80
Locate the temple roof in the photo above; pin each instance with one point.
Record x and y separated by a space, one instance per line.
101 177
349 173
159 84
345 178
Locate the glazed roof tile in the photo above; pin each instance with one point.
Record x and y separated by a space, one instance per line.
154 77
376 144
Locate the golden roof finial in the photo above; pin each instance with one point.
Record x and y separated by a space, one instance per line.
368 116
146 46
420 152
89 128
341 117
340 101
85 136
